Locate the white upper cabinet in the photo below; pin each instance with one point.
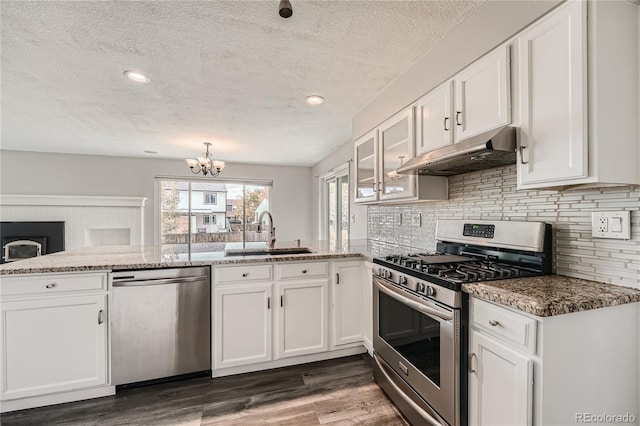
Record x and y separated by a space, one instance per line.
396 147
553 98
483 96
578 97
475 100
366 155
380 152
434 116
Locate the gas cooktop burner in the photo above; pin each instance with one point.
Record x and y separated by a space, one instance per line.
453 268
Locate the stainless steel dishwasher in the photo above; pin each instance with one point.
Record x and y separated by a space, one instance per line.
160 324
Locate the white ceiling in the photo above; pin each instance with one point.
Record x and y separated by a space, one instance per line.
230 72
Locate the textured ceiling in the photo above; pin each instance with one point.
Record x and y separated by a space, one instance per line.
230 72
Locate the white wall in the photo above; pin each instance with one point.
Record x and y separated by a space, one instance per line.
30 173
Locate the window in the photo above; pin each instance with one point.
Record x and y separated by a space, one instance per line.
334 224
210 198
199 216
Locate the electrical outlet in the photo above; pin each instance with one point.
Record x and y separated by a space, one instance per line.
602 224
416 220
614 225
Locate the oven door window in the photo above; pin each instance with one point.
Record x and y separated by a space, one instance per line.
412 334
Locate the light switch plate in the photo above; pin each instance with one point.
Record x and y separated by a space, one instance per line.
416 220
616 225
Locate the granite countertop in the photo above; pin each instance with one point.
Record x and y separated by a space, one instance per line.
541 296
146 257
551 295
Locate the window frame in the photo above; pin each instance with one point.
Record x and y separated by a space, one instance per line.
323 181
232 181
212 194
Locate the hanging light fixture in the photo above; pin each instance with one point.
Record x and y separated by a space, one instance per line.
206 164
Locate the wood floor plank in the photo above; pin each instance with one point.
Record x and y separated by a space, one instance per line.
332 392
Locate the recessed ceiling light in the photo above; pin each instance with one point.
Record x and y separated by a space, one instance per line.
150 152
314 100
137 76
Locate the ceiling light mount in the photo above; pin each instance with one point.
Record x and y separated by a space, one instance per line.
137 76
314 99
206 164
285 10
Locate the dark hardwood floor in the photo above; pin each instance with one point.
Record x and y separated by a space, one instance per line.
334 392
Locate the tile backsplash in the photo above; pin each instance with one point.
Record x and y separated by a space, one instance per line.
492 195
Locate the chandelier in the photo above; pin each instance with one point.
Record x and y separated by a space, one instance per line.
206 164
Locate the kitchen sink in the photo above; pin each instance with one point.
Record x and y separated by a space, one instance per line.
267 252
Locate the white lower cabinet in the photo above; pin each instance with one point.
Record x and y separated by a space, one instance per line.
291 318
555 370
367 306
500 377
302 317
347 302
242 324
54 337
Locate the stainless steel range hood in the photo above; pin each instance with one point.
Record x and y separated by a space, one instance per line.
484 151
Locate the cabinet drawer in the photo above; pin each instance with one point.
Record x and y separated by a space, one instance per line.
302 270
228 274
510 327
52 284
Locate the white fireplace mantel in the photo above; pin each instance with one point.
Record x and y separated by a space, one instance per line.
71 200
89 220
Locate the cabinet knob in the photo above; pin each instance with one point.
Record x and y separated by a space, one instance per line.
493 323
52 285
304 271
246 274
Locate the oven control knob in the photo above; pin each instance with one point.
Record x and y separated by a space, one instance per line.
402 280
388 274
380 271
430 291
420 287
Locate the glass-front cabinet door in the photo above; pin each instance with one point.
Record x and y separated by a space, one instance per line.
396 147
366 153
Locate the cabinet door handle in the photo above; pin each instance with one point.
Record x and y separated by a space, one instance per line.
246 274
337 278
458 114
446 129
373 186
493 323
521 149
471 357
100 321
268 302
379 186
281 301
304 271
52 285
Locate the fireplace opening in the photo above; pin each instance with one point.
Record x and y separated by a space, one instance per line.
23 240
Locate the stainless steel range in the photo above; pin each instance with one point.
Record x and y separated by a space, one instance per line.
420 314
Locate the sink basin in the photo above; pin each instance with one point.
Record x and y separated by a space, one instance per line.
267 252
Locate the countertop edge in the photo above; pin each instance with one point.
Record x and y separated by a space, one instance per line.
236 260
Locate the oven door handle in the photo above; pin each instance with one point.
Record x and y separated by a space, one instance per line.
425 415
427 310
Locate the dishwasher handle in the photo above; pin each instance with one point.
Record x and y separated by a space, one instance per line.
180 280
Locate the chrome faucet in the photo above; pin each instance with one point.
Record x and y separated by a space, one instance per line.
272 229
